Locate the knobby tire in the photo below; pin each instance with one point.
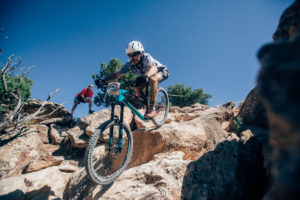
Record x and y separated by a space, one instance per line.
159 122
94 140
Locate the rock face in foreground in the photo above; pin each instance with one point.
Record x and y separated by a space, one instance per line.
235 169
279 85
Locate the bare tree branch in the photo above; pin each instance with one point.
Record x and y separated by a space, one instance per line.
5 68
16 118
4 71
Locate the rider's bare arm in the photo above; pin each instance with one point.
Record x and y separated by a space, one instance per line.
113 77
152 70
82 96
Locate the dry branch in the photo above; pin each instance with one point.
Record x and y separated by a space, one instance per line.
16 118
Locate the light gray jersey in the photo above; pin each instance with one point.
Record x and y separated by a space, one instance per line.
146 61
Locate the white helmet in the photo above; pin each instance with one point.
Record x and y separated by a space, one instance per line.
134 46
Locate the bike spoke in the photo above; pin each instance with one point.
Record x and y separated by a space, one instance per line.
106 161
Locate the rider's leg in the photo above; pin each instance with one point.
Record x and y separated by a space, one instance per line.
90 106
154 80
74 107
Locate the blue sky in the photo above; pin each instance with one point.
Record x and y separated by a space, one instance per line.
205 44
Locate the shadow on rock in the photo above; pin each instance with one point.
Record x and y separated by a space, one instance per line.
234 170
81 187
103 190
42 193
70 153
17 195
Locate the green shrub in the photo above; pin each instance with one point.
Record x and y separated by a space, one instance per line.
238 124
181 96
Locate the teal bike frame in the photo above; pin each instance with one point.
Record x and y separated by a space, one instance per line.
122 101
121 98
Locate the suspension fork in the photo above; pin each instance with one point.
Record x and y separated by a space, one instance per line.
111 130
120 141
120 144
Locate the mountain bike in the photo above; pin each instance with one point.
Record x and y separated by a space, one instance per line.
110 147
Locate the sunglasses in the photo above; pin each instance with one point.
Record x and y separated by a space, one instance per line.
133 54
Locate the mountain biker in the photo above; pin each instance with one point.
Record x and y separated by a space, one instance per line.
149 69
85 96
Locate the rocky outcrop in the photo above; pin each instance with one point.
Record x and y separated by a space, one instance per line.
235 169
161 163
47 182
161 178
253 112
29 146
41 163
279 86
183 143
55 113
287 23
57 133
85 127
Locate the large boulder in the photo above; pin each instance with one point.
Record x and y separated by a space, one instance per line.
235 169
279 85
27 147
287 22
44 161
48 182
80 134
90 122
78 137
194 136
15 155
55 113
253 112
57 133
161 178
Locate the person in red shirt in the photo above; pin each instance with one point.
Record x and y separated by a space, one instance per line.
85 96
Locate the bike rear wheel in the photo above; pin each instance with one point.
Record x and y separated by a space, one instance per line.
105 160
161 107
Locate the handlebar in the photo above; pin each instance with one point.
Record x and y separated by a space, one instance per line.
128 84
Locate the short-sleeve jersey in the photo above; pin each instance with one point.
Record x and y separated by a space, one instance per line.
86 93
146 61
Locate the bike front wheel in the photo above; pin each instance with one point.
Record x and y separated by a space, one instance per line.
161 107
108 152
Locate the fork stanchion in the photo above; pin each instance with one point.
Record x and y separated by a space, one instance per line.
111 130
120 145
